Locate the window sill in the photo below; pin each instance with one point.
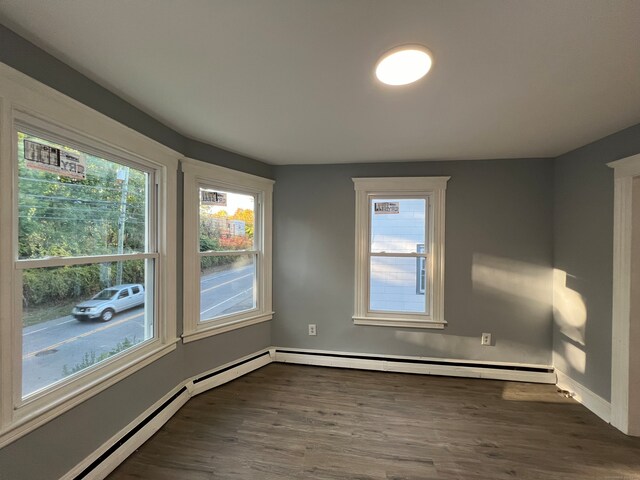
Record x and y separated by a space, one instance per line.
205 330
398 323
40 410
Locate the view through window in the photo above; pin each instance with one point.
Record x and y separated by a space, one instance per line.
79 310
397 255
228 253
399 274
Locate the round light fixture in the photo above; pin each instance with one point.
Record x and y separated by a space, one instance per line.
404 64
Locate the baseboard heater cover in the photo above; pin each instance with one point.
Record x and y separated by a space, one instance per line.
228 367
111 450
530 373
126 437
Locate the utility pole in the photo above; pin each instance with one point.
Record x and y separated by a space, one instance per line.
123 178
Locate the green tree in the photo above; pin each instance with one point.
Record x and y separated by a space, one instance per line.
63 216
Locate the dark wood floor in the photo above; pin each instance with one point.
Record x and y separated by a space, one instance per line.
287 421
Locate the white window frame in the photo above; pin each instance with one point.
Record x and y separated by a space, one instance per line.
199 174
26 102
431 188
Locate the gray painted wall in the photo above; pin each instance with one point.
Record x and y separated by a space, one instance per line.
583 248
498 261
68 439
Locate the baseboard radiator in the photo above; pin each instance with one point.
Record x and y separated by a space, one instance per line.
111 450
420 365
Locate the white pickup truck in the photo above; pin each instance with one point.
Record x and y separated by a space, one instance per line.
105 304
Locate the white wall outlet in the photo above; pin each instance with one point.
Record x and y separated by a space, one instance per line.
312 329
485 339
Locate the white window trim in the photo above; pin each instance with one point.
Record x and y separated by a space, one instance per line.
435 188
197 173
22 97
625 334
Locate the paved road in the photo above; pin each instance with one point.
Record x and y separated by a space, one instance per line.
224 293
51 350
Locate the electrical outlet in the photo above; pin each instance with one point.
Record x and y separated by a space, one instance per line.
312 329
485 339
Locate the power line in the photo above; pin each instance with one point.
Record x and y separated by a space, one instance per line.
69 199
43 217
53 182
83 209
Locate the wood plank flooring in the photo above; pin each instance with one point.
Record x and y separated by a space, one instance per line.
298 422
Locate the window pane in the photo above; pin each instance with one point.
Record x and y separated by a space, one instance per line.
227 285
226 221
73 317
397 225
392 285
75 204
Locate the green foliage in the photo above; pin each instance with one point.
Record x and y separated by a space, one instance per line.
62 217
90 358
209 243
57 284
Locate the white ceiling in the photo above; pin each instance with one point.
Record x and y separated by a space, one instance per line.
291 81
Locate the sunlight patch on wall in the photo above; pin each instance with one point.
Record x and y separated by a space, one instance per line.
436 341
575 357
569 308
511 278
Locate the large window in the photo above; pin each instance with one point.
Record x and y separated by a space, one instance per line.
400 251
227 249
87 283
85 241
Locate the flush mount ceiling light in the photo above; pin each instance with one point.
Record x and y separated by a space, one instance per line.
404 64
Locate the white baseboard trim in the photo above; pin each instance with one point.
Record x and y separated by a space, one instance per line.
111 461
586 397
420 365
224 374
116 450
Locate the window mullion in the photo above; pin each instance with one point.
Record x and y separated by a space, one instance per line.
409 255
230 253
66 261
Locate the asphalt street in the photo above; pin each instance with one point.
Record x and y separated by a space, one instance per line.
52 350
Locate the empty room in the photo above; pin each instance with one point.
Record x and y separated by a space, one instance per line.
305 239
